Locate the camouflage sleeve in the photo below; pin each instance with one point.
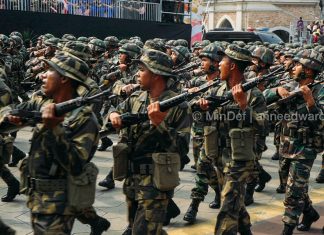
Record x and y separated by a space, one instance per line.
74 151
117 87
270 95
257 107
174 134
5 94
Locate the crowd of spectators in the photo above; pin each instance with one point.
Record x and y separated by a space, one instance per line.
142 9
314 30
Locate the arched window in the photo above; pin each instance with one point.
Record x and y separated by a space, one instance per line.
225 24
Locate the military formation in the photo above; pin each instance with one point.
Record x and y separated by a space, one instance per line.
159 95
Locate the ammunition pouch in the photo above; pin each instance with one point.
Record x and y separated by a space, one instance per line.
211 141
47 185
242 144
120 154
6 148
81 189
166 167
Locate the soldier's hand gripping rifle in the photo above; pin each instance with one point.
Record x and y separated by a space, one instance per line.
30 118
219 101
129 119
293 95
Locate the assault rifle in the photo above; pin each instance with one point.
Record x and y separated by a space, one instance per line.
292 96
129 119
30 118
219 101
187 68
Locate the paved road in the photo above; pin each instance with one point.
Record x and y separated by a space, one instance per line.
265 212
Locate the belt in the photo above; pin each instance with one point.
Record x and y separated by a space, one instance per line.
47 185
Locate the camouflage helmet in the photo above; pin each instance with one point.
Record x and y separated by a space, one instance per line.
204 43
111 42
69 66
272 46
139 43
157 62
4 41
135 38
83 39
182 53
97 45
16 33
130 49
296 45
310 59
212 51
307 46
258 43
266 44
52 42
264 54
17 41
196 45
48 36
321 50
151 44
78 49
290 53
122 42
68 37
181 42
237 53
170 44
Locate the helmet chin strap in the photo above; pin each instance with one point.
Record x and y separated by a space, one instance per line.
302 76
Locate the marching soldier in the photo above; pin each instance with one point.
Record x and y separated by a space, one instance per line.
301 138
145 147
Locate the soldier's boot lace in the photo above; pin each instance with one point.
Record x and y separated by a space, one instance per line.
264 177
98 227
108 182
172 212
105 143
13 186
320 177
248 199
308 218
217 200
288 230
17 155
191 213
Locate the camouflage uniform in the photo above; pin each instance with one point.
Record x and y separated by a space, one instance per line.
72 144
300 141
6 146
233 216
171 136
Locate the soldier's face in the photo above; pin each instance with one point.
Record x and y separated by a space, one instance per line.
225 68
51 82
122 58
288 63
174 57
297 71
144 77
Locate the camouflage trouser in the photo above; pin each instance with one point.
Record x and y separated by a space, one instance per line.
87 215
52 224
147 206
197 141
150 216
233 216
206 175
254 174
284 165
297 199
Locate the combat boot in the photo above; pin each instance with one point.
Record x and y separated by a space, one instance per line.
13 186
264 177
105 143
308 218
191 213
248 199
128 231
245 231
172 212
320 177
217 200
17 155
108 182
99 226
288 229
276 156
281 189
283 183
